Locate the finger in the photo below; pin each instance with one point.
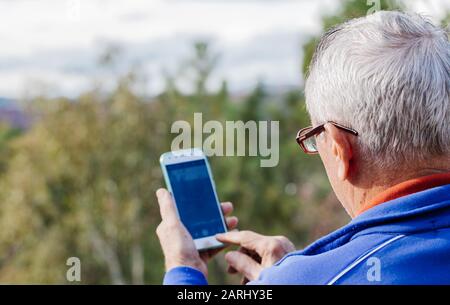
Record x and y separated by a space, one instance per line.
247 252
243 264
227 208
231 270
232 222
244 280
208 254
246 239
253 254
166 205
256 257
205 255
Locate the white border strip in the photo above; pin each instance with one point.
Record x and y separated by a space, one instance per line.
359 260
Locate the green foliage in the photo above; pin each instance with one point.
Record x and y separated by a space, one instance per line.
446 21
81 181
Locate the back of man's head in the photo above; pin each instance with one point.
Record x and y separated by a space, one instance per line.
387 76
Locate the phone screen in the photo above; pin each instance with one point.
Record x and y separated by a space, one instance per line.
196 201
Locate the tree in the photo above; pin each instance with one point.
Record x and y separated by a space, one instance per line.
80 181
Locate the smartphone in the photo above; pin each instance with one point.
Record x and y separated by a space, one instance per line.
188 178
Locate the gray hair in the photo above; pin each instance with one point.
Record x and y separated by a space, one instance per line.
387 76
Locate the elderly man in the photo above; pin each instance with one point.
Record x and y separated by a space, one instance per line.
378 96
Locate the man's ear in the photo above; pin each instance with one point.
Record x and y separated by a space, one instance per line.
341 149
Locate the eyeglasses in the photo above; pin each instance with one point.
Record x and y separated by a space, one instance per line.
306 137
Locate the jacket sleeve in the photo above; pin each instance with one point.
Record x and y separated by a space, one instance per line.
184 275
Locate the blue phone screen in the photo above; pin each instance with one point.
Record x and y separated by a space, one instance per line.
196 202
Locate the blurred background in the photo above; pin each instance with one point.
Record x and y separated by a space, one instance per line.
89 90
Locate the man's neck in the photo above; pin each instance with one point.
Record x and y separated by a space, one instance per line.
364 198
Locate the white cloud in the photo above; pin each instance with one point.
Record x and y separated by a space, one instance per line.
58 41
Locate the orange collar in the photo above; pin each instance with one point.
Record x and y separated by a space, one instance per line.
406 188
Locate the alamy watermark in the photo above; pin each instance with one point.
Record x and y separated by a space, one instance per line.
73 273
374 272
375 5
73 10
229 139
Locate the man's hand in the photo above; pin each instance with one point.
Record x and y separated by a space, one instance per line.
256 253
176 242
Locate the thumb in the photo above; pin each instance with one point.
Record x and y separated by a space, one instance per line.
166 205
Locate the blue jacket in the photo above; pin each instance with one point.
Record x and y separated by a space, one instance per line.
402 241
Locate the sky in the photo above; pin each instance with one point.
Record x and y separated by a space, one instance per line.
54 46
